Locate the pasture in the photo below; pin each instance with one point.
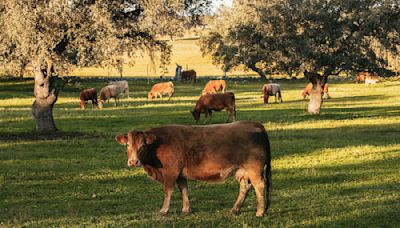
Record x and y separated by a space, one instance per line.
340 168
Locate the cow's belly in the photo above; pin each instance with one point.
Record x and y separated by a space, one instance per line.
212 172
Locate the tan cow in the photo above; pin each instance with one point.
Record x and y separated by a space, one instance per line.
160 89
174 153
213 86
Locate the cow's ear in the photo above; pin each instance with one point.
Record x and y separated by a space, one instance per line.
121 139
150 138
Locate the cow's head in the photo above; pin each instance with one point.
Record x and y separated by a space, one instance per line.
137 143
196 115
83 104
100 104
150 95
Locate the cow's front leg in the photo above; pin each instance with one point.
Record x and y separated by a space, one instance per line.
244 189
168 189
182 185
208 116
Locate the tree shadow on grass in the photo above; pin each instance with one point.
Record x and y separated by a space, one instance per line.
36 136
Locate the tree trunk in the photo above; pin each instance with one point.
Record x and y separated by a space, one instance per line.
258 71
316 100
45 97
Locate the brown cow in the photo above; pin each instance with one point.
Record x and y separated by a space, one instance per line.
86 95
172 154
161 88
186 75
272 89
361 76
213 86
307 90
215 102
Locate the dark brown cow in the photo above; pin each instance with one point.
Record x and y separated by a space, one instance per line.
213 86
172 154
215 102
86 95
186 75
307 90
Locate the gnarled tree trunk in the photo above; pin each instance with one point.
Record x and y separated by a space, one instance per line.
316 94
258 71
45 97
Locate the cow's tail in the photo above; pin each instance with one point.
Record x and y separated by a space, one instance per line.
268 175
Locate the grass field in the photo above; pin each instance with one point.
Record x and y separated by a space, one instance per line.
338 169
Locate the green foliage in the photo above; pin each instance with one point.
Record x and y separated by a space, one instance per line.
317 35
336 169
86 33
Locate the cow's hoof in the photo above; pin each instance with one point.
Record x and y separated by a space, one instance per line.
163 212
260 214
235 211
185 211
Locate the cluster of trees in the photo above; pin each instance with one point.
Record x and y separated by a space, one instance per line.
315 37
55 34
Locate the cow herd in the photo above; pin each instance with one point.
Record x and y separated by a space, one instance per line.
172 154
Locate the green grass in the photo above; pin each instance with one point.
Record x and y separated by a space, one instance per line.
340 168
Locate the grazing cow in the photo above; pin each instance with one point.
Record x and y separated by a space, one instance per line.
371 79
215 102
123 86
86 95
161 88
186 75
361 76
213 86
107 92
272 89
172 154
307 90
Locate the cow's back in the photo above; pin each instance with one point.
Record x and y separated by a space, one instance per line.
204 152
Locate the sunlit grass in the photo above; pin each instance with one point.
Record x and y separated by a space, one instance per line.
336 169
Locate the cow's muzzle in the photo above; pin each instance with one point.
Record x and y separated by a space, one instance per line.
135 163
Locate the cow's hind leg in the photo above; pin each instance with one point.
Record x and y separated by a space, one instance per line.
257 180
244 189
182 185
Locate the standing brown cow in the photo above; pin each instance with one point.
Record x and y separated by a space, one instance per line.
307 90
172 154
186 75
86 95
213 86
215 102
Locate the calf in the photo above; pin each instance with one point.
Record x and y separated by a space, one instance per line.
160 89
107 92
213 86
307 90
215 102
174 153
123 86
86 95
272 89
371 79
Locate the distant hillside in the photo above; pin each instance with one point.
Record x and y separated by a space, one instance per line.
185 52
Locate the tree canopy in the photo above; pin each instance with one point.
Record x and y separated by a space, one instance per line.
325 36
50 34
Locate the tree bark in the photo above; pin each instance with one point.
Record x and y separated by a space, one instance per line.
259 72
45 97
316 95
